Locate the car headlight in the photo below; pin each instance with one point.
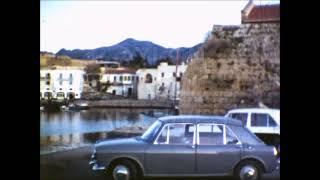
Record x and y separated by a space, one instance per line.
275 152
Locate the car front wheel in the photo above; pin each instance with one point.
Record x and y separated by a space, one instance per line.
248 170
124 170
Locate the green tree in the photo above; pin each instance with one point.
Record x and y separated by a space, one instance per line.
92 68
138 61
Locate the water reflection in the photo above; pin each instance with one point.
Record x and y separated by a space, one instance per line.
70 129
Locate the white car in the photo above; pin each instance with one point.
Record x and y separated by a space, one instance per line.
264 122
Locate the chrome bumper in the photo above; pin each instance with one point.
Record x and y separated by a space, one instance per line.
94 164
278 164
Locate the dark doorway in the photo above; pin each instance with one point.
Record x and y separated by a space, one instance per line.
114 92
129 91
71 96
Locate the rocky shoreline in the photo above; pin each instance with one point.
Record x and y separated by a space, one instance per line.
120 103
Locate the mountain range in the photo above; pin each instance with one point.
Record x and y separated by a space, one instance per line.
127 49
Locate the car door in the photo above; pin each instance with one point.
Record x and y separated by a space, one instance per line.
173 151
218 149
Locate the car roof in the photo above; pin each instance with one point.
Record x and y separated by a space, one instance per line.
275 113
255 110
200 119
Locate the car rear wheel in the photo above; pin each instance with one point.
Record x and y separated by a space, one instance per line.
123 170
248 170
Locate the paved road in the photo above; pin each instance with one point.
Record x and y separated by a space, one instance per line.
73 165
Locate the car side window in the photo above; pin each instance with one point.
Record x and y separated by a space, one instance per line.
231 138
240 116
259 120
272 122
210 134
177 134
163 137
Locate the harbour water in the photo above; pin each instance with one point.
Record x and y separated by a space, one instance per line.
67 130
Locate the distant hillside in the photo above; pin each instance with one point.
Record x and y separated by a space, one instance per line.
50 59
127 49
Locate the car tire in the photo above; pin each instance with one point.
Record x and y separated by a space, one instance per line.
248 170
123 168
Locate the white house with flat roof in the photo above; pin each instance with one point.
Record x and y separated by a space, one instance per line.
122 81
163 82
61 83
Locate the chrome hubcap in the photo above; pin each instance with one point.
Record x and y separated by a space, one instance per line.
121 172
248 172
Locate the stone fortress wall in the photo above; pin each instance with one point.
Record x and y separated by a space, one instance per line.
239 66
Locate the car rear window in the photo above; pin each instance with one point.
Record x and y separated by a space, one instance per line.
262 120
245 135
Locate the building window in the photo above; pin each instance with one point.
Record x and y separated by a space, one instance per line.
161 88
148 78
60 95
181 74
115 78
47 77
125 78
129 78
162 74
70 79
48 95
174 74
60 79
121 78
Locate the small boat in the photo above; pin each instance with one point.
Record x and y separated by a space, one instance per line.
78 107
63 107
83 106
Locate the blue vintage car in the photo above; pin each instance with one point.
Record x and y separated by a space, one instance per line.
187 145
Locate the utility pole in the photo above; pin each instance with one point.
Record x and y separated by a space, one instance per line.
175 85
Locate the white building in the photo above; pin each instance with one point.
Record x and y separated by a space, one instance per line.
122 81
92 79
164 82
61 83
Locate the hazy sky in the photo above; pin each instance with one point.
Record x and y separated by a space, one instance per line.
93 24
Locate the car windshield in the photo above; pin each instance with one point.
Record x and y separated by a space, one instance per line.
152 130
